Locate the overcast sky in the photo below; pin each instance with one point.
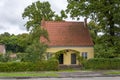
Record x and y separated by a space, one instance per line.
11 13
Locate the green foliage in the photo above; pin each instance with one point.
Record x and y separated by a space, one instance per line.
30 42
14 43
20 56
29 66
57 54
94 31
105 19
102 51
28 74
61 17
81 60
37 11
4 58
23 41
102 63
103 48
35 52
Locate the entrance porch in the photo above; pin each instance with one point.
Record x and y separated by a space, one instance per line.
69 55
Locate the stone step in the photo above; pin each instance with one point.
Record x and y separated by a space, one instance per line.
75 67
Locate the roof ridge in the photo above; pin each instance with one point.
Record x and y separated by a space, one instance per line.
64 21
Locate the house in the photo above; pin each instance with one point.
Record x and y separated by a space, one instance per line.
68 38
2 49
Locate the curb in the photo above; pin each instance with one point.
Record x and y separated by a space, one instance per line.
60 77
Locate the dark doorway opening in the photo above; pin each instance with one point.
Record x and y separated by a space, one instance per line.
61 59
73 58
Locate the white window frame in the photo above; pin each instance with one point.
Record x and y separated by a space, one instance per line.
85 55
48 55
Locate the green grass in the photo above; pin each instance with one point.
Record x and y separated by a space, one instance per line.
29 74
68 70
113 72
72 70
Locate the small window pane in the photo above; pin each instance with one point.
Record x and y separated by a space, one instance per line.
84 55
49 55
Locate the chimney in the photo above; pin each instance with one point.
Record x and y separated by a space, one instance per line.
85 22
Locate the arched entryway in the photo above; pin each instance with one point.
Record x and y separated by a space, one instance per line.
61 58
67 56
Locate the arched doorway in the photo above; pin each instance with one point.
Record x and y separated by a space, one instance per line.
61 58
67 56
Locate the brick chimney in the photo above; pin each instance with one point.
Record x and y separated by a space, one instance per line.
85 22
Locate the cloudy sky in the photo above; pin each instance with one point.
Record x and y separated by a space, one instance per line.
11 14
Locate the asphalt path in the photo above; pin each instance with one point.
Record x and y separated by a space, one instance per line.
82 78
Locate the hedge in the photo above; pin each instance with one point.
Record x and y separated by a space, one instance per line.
102 63
51 65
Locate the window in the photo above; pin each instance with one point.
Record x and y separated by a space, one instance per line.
84 55
73 58
48 55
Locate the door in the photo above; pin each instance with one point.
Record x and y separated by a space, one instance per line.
61 59
73 58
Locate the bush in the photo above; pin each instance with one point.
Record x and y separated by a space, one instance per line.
102 63
4 58
29 66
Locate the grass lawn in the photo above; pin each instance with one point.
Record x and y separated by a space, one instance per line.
113 72
68 70
28 74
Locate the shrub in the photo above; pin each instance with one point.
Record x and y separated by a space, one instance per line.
4 58
29 66
102 63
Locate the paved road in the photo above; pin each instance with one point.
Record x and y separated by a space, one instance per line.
83 78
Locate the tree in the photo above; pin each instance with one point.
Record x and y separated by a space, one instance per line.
61 17
94 31
23 41
104 13
35 52
14 43
4 37
35 13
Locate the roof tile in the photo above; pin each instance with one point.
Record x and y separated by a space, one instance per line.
62 33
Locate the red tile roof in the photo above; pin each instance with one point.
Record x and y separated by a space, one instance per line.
62 33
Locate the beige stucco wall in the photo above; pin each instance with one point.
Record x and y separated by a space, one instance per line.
67 56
